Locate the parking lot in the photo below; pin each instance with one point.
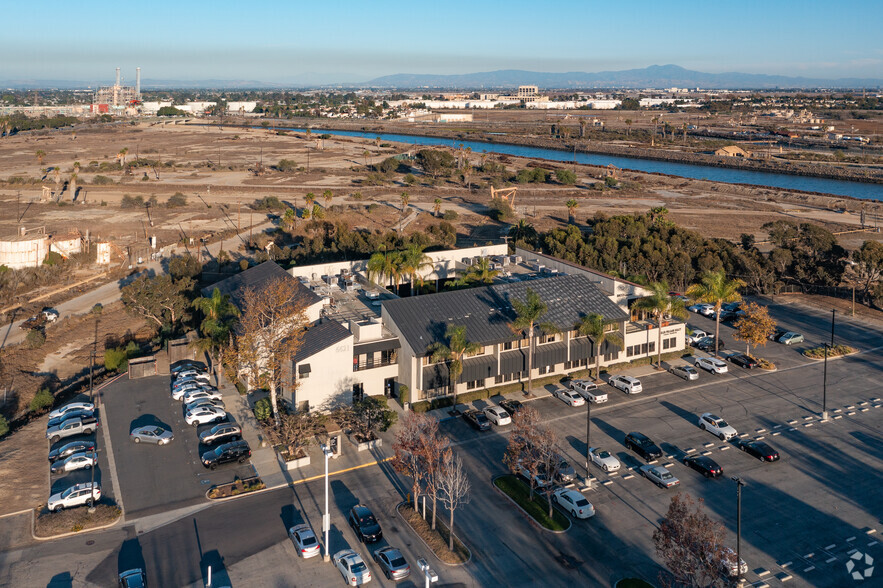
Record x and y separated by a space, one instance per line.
158 478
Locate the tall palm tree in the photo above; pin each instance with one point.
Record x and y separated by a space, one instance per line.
385 265
523 231
436 206
309 199
122 155
481 272
405 200
40 154
661 304
715 288
571 209
594 326
527 319
73 186
452 353
366 154
414 262
219 314
628 124
327 195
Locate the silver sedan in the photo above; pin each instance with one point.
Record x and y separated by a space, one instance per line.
152 434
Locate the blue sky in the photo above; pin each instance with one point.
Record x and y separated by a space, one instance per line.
279 41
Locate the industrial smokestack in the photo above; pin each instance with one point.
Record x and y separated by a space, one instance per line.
137 82
118 77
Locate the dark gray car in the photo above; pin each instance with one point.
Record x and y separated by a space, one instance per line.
393 563
221 433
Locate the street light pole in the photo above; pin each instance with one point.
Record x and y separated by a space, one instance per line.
739 484
825 387
833 311
428 573
588 434
326 519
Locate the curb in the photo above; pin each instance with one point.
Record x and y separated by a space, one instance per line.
831 357
240 495
530 519
71 533
427 545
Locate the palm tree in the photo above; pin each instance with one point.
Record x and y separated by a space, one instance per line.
527 317
122 155
414 261
40 154
366 153
628 124
594 326
309 199
571 208
436 206
715 288
327 195
385 265
481 272
219 315
452 354
57 173
660 304
523 231
405 201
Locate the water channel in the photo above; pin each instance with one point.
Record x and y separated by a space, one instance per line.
698 172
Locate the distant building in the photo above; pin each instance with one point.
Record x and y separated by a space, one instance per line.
529 94
732 151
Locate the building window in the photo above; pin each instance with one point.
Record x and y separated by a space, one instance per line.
472 385
651 347
546 339
498 379
669 343
507 346
303 371
544 369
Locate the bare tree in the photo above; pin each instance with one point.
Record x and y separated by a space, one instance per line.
453 485
548 461
269 333
434 448
522 453
690 544
296 431
408 458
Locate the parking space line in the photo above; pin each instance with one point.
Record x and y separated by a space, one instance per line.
832 546
706 453
725 447
777 433
850 413
628 476
830 559
838 416
851 539
872 543
807 424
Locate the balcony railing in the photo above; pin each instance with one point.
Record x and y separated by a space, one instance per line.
367 365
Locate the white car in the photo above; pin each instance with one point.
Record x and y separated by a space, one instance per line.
574 503
588 390
351 567
63 410
706 309
728 562
196 375
696 336
627 384
201 393
604 459
712 364
717 426
178 393
568 397
76 495
659 476
77 461
204 414
200 401
497 415
304 540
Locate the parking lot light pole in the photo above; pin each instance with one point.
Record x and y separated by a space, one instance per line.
326 518
428 573
588 434
825 386
91 366
739 484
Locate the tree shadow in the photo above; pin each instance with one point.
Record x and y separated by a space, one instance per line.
148 420
684 414
61 580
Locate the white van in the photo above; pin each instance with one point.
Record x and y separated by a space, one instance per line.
588 390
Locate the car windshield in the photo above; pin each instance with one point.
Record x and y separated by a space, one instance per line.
357 567
603 454
156 431
67 492
722 423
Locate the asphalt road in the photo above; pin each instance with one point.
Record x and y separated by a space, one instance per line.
803 516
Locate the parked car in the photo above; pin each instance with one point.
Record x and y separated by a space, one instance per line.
539 478
604 459
71 414
704 465
50 314
687 372
192 375
732 306
728 562
69 449
224 432
758 449
659 476
477 420
565 473
76 495
304 539
568 397
233 451
701 308
73 406
716 426
202 415
511 406
574 503
725 316
133 579
216 402
588 390
178 393
76 426
712 365
777 333
497 415
790 338
696 335
77 461
351 567
364 524
627 384
151 434
197 394
643 446
706 344
392 563
742 360
188 364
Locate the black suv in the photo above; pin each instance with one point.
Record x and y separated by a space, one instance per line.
366 527
477 419
223 432
511 406
643 446
235 451
743 360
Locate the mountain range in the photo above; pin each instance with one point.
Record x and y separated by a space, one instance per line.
655 76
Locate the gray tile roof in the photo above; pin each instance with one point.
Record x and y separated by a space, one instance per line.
320 336
486 312
255 277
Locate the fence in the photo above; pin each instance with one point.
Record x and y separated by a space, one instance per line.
180 349
141 367
844 292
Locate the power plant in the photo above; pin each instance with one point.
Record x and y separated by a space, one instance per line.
117 98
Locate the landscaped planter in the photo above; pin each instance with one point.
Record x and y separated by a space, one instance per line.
365 445
293 464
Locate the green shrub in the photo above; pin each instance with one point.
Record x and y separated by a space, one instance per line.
450 215
286 165
116 359
835 351
131 202
4 426
565 176
101 181
53 258
176 200
267 203
410 179
243 264
35 338
263 410
611 182
98 308
42 400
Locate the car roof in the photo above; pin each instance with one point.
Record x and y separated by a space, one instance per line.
362 510
637 435
704 459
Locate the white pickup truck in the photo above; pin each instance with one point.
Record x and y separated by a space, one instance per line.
588 390
76 426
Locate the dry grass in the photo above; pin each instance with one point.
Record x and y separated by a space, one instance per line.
24 470
238 487
74 520
436 539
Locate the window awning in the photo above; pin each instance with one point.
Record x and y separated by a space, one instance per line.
303 368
